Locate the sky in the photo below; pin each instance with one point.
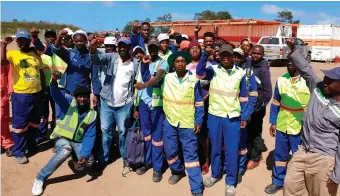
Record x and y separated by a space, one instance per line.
97 16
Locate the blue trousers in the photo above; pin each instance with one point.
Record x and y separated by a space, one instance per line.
152 126
64 149
188 141
25 122
228 130
243 150
109 118
45 112
283 144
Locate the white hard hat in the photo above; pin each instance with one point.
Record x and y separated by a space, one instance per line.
200 41
69 31
163 36
185 36
80 32
110 41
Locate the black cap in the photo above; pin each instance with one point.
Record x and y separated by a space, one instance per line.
226 48
81 90
153 41
50 31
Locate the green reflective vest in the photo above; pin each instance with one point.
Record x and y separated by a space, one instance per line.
70 128
179 100
224 92
294 100
157 99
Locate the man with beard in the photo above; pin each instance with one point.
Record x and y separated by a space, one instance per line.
28 87
75 131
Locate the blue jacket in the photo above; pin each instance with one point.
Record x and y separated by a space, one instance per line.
137 40
64 103
109 63
78 71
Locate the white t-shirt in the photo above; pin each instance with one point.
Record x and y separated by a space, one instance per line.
121 83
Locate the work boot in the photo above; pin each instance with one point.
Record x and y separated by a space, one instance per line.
229 190
211 181
239 178
157 176
21 160
175 178
252 164
142 170
272 189
9 152
197 194
37 188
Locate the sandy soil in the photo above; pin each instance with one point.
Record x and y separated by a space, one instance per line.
17 179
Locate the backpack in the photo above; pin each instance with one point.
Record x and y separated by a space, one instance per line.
135 145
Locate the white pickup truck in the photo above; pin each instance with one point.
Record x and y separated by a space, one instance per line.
275 48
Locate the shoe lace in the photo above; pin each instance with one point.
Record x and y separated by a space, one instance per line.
38 184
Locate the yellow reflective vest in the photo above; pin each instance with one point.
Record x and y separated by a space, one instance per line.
294 100
70 128
179 100
52 64
224 92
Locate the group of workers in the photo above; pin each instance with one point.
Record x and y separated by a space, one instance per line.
191 98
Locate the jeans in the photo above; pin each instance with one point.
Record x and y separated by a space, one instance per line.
64 149
109 118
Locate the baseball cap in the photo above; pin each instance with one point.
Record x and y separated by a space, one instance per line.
137 47
184 45
153 42
50 31
226 48
124 40
201 41
332 73
110 41
238 51
185 36
23 34
163 36
81 90
80 32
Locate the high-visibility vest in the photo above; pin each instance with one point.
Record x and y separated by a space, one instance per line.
224 91
70 128
157 99
179 100
52 64
294 100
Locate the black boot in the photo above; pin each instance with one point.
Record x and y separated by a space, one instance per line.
9 152
272 189
157 176
175 178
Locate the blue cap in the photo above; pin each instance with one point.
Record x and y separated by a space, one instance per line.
124 40
24 34
332 73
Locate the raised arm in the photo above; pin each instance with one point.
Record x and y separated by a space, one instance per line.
135 35
304 68
4 42
98 58
203 72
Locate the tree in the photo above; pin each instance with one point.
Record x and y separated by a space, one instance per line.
210 15
165 18
286 16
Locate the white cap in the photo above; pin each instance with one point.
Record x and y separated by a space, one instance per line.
185 36
163 36
110 40
136 47
201 41
239 51
80 32
69 31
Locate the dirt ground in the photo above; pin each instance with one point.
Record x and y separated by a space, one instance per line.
17 179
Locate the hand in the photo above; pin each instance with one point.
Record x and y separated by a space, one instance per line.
211 58
272 130
56 76
7 40
34 32
171 32
210 51
243 124
197 129
63 33
81 161
198 28
95 100
92 36
136 114
136 26
93 45
146 59
291 43
140 86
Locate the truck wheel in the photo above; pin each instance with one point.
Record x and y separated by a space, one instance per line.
309 57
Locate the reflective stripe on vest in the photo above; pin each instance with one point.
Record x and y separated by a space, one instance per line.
59 65
294 100
224 92
179 100
69 127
